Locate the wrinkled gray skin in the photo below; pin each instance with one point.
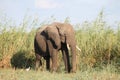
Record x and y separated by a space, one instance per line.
56 37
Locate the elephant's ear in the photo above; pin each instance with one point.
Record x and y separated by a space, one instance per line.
53 35
61 31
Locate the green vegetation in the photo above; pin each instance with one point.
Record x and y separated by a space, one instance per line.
99 57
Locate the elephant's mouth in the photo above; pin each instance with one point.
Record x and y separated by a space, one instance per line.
62 39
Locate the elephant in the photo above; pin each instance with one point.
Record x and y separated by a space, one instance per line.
52 38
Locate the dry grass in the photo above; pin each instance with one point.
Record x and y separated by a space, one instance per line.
10 74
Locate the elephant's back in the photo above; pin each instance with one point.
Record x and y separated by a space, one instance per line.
41 29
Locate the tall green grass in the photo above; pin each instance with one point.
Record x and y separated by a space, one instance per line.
99 43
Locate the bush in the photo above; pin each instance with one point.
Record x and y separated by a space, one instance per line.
22 59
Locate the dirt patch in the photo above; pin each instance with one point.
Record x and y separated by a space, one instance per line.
5 62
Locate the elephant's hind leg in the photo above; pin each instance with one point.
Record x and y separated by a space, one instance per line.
38 61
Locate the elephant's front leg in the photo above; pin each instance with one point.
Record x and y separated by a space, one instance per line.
38 61
53 55
65 53
48 63
54 58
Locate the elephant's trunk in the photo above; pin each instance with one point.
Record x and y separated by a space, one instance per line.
73 51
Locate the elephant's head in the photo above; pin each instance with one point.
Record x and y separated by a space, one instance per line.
67 35
66 32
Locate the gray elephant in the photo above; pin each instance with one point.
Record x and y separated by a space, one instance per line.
51 39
